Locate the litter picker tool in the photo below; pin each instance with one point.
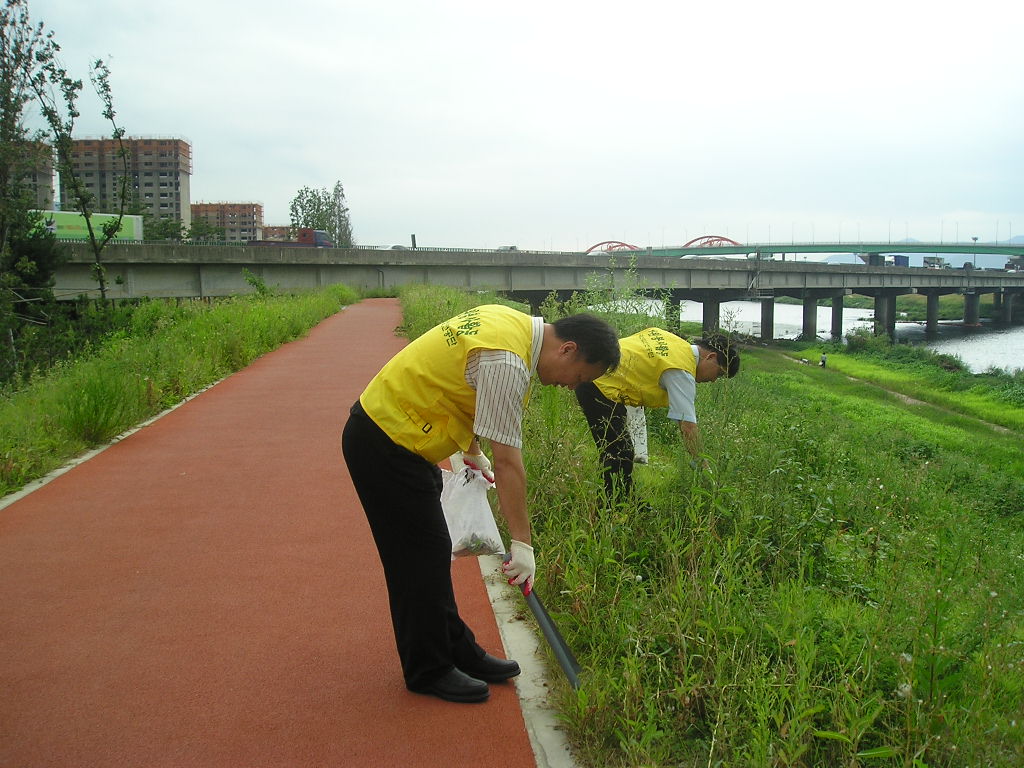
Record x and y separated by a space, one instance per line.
563 653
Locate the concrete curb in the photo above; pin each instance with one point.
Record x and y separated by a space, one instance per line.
523 643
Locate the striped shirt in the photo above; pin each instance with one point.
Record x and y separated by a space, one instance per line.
501 380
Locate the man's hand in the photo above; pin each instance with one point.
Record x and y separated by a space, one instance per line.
701 465
522 567
479 462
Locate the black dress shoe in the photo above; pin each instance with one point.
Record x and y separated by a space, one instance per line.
491 669
458 686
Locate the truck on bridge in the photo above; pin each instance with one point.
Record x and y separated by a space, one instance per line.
304 237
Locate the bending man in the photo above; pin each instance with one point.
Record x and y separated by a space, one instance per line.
464 378
657 369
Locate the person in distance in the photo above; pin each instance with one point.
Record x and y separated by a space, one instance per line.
466 378
657 369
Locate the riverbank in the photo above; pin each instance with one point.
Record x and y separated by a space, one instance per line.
938 378
981 347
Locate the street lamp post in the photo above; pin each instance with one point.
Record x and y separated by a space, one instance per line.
974 256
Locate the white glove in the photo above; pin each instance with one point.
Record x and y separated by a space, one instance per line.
522 567
481 463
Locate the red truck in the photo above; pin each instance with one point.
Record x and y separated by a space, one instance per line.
305 237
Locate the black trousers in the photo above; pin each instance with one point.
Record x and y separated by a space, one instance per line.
401 495
607 421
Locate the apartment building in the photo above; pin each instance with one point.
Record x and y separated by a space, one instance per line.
159 170
32 161
241 222
41 177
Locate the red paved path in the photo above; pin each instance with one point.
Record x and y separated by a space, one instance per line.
206 592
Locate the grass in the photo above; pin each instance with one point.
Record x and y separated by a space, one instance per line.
995 396
845 588
168 352
847 583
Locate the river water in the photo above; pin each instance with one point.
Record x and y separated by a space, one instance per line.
980 348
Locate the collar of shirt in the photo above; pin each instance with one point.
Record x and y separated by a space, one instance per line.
538 342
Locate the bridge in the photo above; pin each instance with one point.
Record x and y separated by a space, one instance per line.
196 271
712 246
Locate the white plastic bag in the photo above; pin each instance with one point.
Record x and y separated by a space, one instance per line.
636 421
470 521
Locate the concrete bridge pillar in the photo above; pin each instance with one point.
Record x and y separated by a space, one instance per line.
885 314
768 318
931 323
1006 315
878 324
837 316
711 315
972 307
810 319
890 316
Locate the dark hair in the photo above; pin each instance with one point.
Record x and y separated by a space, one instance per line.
597 340
725 351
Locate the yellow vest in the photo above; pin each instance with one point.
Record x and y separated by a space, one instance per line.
645 357
421 398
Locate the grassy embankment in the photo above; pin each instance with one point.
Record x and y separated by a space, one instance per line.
995 396
845 589
167 352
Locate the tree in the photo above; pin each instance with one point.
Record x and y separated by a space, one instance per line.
26 290
201 229
28 254
20 43
162 228
323 209
56 94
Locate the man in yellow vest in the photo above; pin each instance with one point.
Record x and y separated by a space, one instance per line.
465 378
657 369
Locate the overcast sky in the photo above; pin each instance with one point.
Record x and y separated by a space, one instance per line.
557 125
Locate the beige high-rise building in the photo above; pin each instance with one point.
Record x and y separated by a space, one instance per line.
40 178
159 170
241 222
32 163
